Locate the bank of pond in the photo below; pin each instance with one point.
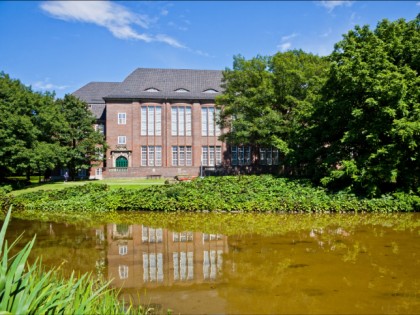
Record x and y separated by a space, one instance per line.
263 193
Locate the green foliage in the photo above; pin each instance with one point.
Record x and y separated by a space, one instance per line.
83 145
231 194
265 98
366 128
28 289
39 133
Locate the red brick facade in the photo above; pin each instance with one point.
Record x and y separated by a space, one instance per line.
134 140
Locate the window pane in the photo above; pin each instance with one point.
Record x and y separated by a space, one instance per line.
143 120
175 156
158 120
188 121
181 121
205 156
262 157
158 156
181 156
234 151
241 155
204 121
211 121
218 131
189 156
218 155
151 156
143 156
150 121
211 156
247 155
174 121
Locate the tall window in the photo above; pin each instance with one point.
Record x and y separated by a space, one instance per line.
181 120
209 116
181 155
151 156
241 155
122 139
122 119
211 155
151 120
269 156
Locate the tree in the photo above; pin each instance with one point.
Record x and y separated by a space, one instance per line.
266 99
366 129
27 121
83 144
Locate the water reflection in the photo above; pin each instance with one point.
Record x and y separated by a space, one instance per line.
160 257
367 269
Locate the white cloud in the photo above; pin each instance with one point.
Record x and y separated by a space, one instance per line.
330 5
114 17
45 85
418 3
288 37
284 46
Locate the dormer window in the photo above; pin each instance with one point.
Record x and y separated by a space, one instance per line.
181 91
151 90
210 91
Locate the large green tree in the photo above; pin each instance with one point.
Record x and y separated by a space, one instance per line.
83 145
28 125
366 128
40 133
266 99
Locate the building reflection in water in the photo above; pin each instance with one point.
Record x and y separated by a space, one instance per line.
142 256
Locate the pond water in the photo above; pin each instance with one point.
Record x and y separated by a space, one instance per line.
333 269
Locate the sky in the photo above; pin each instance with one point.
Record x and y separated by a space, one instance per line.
62 45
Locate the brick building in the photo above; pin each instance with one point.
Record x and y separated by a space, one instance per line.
162 122
157 122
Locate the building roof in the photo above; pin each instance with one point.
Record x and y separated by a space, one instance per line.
149 83
93 92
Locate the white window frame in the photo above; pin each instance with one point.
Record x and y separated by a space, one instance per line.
209 117
241 155
122 140
269 156
151 155
182 155
211 155
151 121
181 121
122 118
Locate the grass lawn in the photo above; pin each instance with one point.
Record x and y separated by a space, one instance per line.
113 183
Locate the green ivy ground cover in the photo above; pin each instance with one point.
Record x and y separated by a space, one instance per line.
228 194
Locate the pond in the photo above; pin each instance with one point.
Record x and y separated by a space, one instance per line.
332 268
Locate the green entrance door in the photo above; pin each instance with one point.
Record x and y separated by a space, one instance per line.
121 162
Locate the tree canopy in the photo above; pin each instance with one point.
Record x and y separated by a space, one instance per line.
350 120
366 125
40 133
265 96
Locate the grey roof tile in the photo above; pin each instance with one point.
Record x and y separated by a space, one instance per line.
93 92
167 81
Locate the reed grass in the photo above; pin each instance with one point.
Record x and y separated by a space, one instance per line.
30 289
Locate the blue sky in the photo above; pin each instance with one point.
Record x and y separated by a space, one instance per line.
60 46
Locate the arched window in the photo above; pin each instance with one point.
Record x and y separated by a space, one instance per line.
181 90
121 162
151 90
210 91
